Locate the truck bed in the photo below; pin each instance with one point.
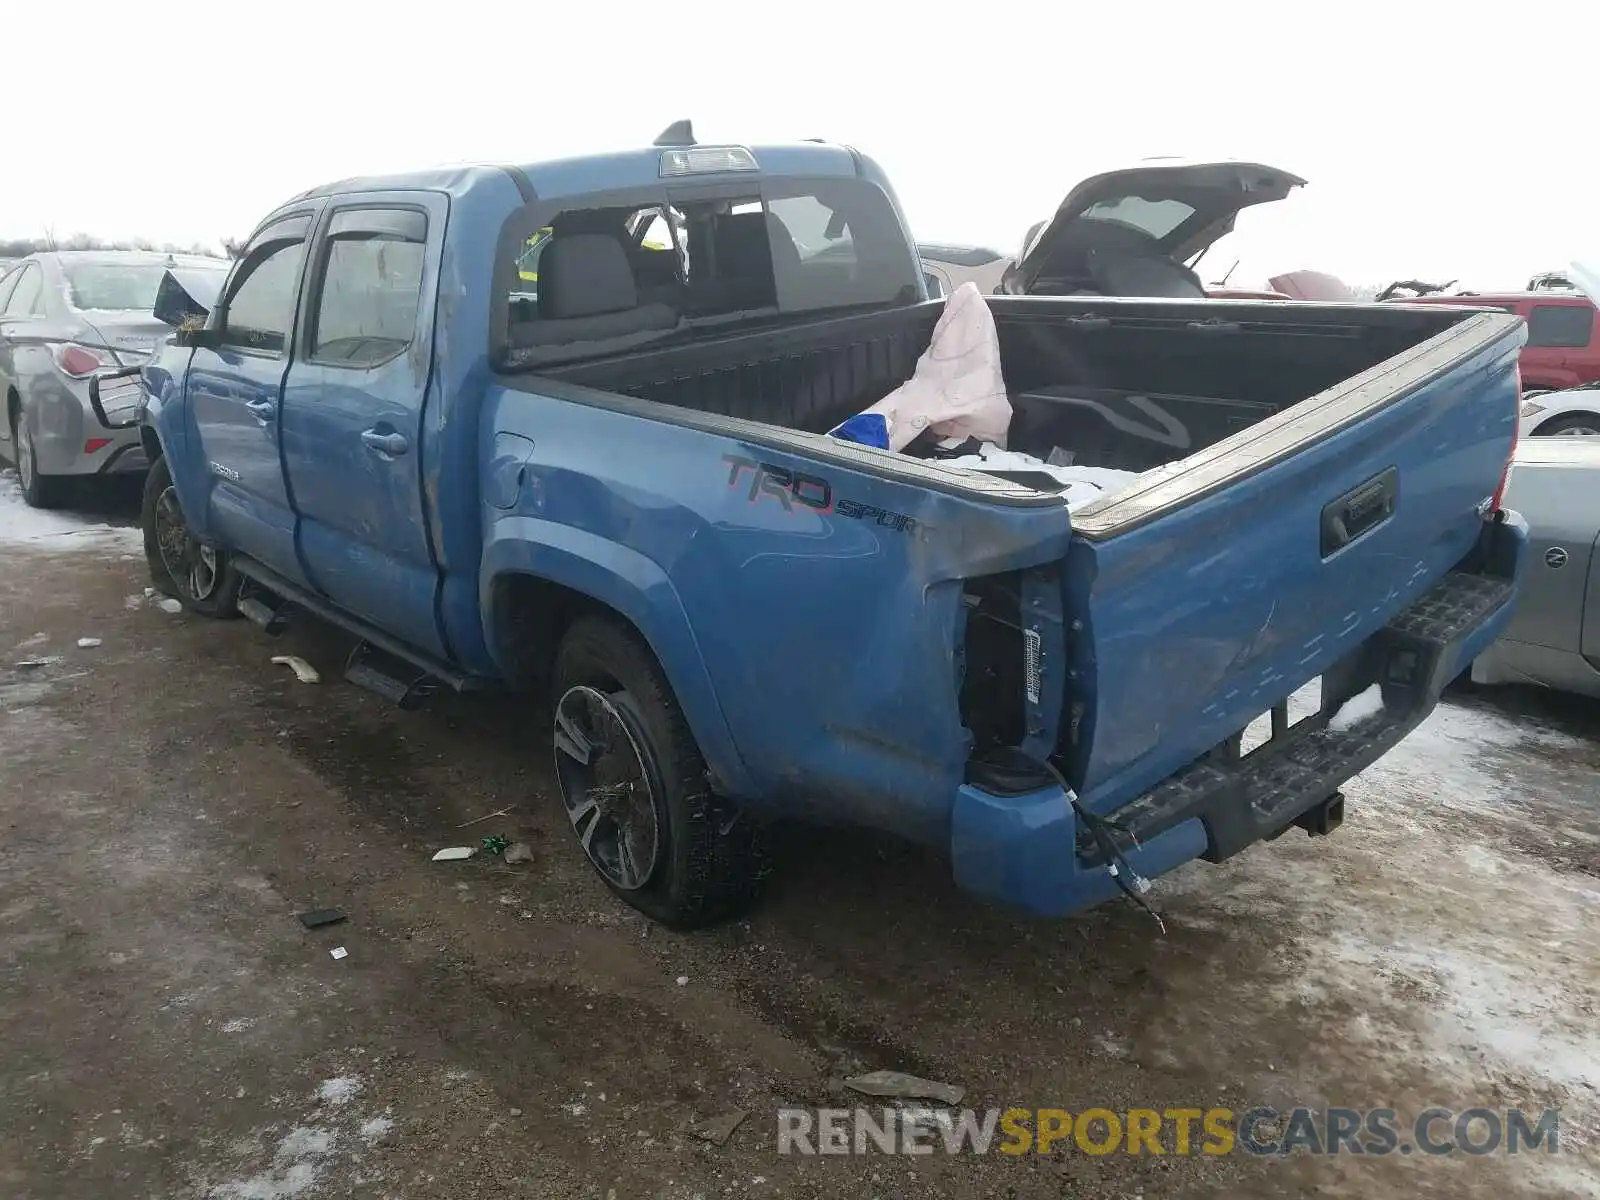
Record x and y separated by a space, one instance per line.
1156 384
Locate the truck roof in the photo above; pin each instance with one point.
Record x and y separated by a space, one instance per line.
590 173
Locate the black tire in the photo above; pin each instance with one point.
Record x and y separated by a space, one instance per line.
214 591
1557 426
708 859
38 491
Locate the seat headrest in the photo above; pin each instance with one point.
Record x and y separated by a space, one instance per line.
743 246
585 275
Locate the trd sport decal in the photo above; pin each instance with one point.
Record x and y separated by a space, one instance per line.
809 491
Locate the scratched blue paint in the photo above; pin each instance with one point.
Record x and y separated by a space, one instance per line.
815 656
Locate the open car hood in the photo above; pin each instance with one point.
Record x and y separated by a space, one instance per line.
1183 206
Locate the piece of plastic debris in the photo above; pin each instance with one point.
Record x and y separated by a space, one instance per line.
169 605
898 1085
683 981
339 952
455 853
495 844
87 643
149 592
303 671
719 1129
518 852
32 664
318 917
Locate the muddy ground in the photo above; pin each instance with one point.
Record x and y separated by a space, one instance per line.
169 801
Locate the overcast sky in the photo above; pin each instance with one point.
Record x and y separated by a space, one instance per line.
1429 152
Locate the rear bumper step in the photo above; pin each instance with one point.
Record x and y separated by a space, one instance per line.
1239 802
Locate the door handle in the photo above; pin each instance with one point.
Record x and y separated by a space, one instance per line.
261 410
392 444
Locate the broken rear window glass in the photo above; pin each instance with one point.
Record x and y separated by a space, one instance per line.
596 280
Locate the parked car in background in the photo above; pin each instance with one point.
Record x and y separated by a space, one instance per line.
1562 351
1553 639
1552 281
1133 232
1570 412
66 316
947 267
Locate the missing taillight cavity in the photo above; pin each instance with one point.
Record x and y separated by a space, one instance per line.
996 682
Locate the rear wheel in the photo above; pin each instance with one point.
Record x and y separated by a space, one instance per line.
198 575
1571 425
635 785
40 491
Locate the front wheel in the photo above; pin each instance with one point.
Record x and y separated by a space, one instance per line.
635 785
198 575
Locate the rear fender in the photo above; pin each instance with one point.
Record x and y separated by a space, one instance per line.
635 587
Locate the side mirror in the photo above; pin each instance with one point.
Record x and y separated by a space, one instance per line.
117 398
935 288
185 298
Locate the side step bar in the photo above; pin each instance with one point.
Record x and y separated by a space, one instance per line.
379 663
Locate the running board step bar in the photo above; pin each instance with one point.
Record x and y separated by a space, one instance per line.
385 675
263 608
379 663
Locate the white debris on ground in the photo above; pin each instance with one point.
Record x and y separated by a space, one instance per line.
58 531
339 1091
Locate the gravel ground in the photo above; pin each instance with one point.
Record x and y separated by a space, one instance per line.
170 800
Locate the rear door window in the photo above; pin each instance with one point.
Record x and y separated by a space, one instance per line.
1568 325
369 286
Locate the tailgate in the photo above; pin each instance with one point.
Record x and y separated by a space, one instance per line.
1204 598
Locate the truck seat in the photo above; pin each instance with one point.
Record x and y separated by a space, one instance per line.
587 293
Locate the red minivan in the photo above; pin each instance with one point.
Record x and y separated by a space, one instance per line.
1563 347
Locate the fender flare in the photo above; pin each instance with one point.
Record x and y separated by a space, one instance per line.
165 418
636 588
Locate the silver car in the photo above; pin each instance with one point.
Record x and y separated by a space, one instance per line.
66 316
1554 636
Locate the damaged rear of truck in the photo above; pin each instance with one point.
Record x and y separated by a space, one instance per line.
1058 696
617 481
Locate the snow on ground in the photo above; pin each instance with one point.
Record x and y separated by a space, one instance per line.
1446 940
60 530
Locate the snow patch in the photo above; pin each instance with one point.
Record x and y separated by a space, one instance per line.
298 1165
1357 709
339 1091
376 1128
58 531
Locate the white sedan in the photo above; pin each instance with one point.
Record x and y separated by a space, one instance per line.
1571 412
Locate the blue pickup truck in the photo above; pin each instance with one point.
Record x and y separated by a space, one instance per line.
613 486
